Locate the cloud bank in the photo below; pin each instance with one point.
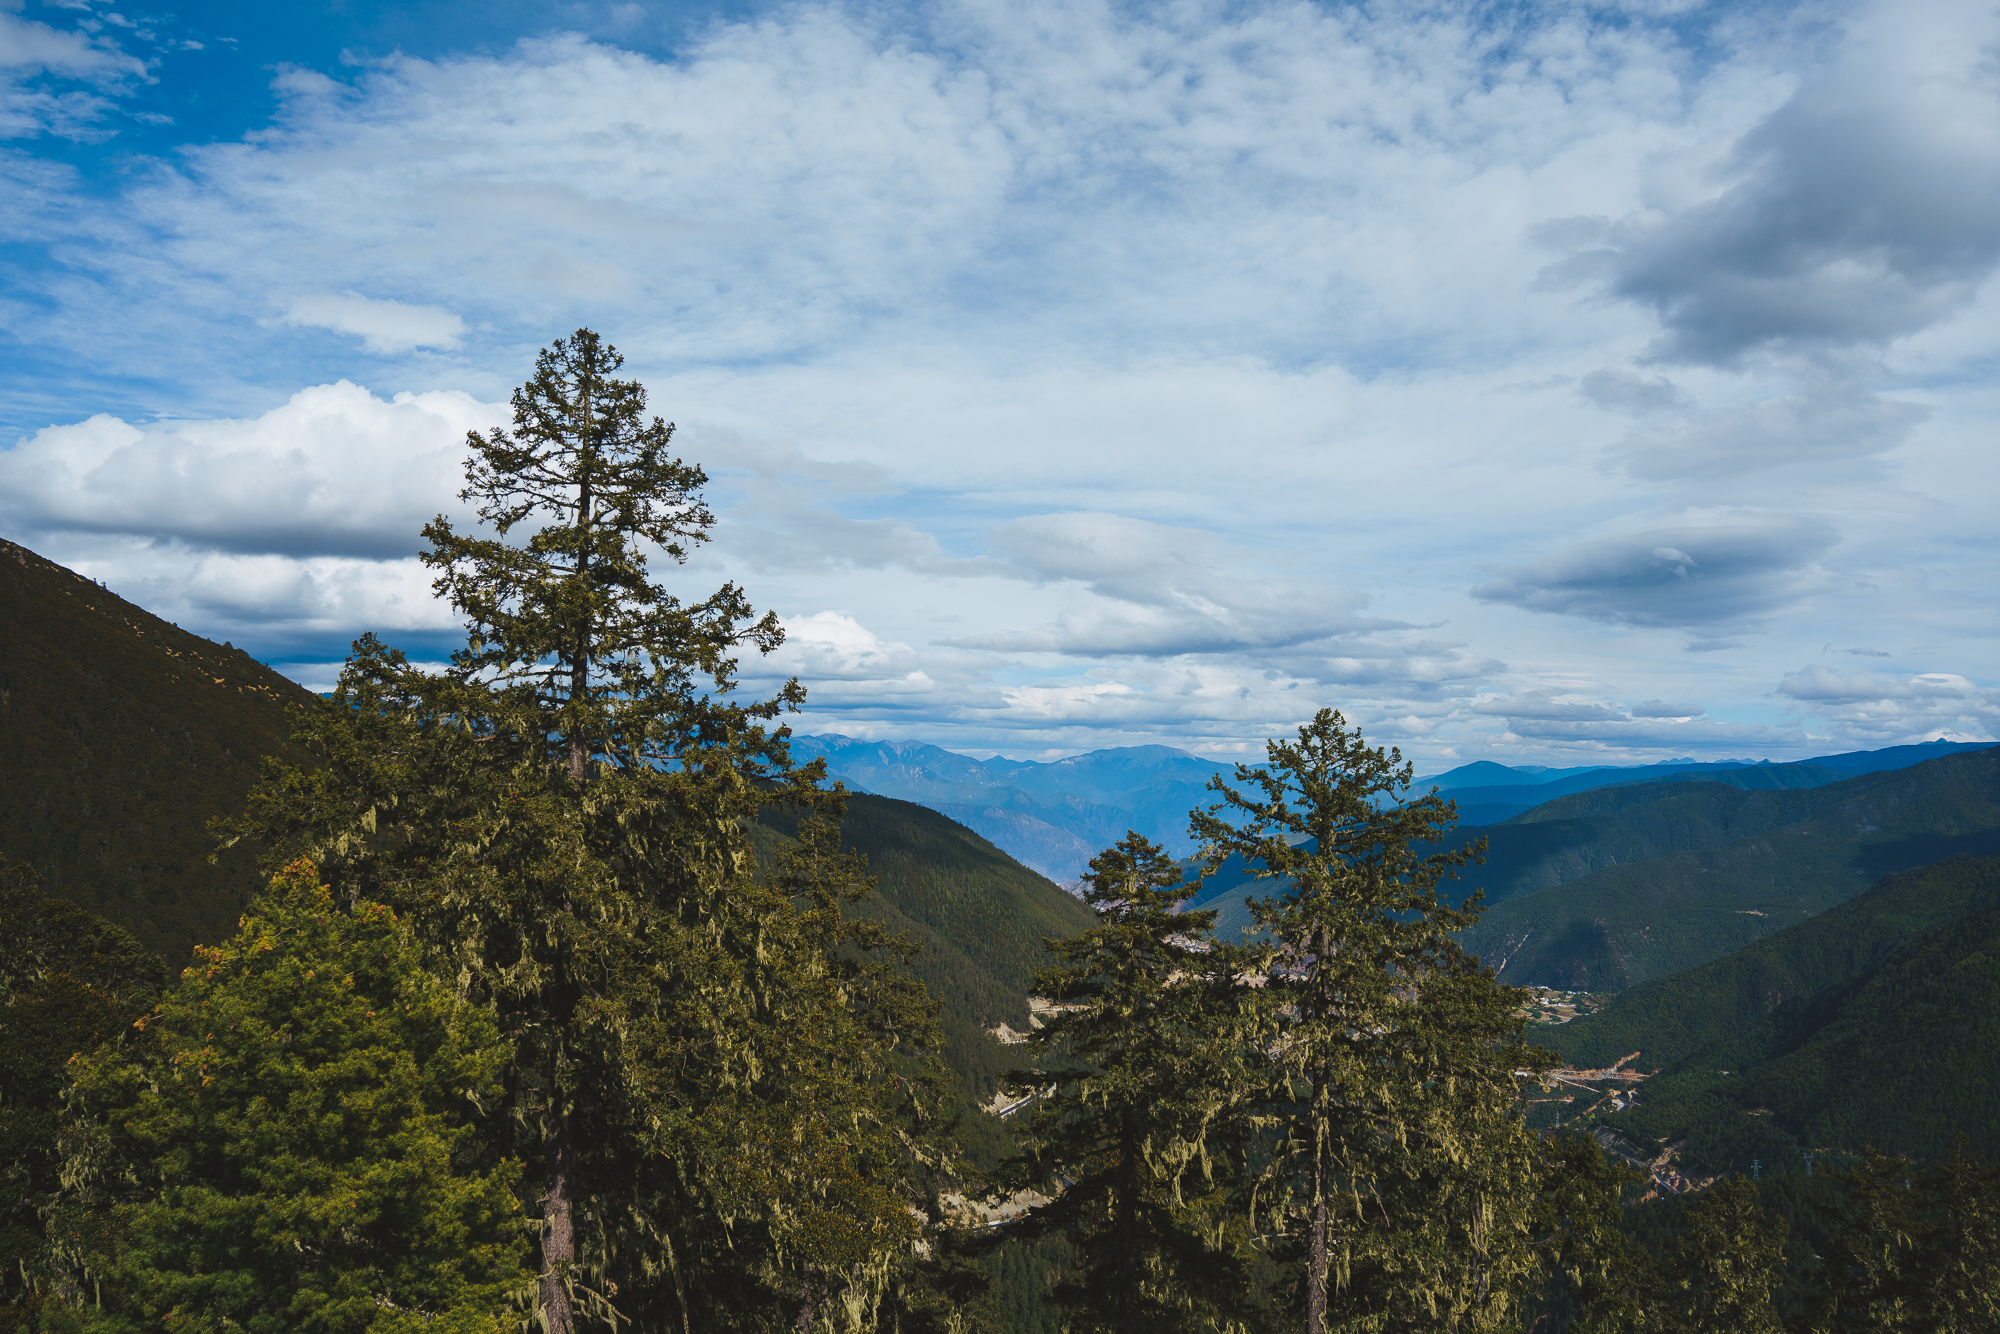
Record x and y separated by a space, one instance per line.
1085 374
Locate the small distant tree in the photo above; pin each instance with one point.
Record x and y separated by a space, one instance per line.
292 1142
1402 1175
1140 1115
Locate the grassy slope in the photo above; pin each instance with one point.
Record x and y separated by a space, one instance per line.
1627 923
120 737
1876 1023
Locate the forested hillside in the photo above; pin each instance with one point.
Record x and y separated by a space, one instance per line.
121 736
1754 863
979 915
1876 1022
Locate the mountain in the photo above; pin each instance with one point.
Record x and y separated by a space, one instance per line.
980 916
1603 888
1054 816
1749 864
1488 793
1877 1021
1486 773
121 736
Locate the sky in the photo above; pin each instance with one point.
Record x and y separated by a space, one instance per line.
1553 384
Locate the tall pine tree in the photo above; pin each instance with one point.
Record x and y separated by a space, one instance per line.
1402 1175
564 815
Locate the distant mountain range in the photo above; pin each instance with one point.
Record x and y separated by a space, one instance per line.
1056 815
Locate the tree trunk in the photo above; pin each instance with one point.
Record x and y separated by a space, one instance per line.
1128 1226
579 663
808 1305
558 1227
1316 1260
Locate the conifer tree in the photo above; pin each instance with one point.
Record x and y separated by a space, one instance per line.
291 1141
1141 1113
69 982
1402 1173
1920 1250
564 815
1718 1273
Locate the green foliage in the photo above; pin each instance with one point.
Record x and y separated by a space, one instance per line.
1717 1275
121 736
568 625
69 982
1400 1174
980 919
1921 1249
293 1142
1597 1280
1633 922
722 1080
1145 1109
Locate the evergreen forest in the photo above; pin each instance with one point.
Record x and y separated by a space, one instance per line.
554 989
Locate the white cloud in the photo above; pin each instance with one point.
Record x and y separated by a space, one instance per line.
383 326
30 51
1075 373
333 471
1877 709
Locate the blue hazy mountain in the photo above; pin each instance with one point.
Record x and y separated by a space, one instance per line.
1053 816
1488 793
1056 815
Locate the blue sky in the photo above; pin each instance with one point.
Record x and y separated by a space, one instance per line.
1559 384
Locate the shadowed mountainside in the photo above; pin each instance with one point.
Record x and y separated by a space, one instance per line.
121 736
1877 1021
1788 856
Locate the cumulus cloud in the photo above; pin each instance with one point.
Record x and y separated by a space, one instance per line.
1874 709
1563 717
784 516
382 326
1865 208
1547 706
1734 568
1820 686
1654 708
332 471
1640 395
